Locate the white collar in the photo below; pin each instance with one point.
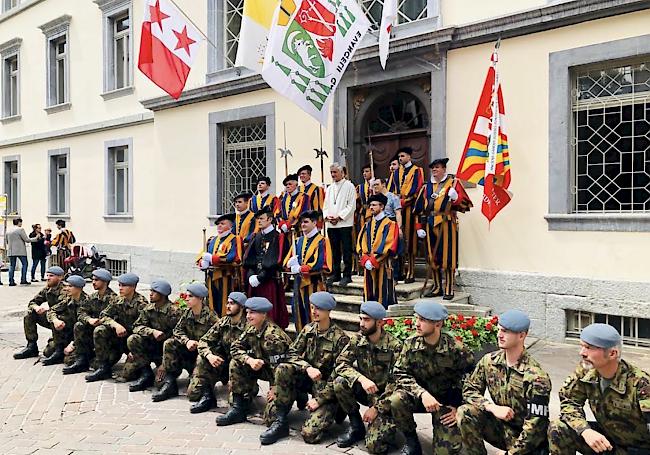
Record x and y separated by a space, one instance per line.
306 184
224 234
264 193
380 216
444 177
408 165
312 233
268 229
241 213
295 192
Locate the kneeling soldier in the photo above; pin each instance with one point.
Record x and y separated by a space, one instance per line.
309 368
214 352
63 315
88 317
362 373
154 325
428 374
180 352
618 394
516 419
117 322
255 355
37 309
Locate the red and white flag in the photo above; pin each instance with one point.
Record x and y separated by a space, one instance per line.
168 46
388 20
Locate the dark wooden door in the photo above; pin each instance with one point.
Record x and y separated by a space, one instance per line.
386 145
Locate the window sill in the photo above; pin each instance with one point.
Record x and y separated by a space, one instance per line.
53 217
228 74
112 94
126 218
58 108
613 222
11 119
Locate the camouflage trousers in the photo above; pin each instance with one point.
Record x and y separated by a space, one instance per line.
30 322
61 338
289 380
403 405
243 379
144 350
477 426
108 346
563 439
83 339
381 432
205 376
176 358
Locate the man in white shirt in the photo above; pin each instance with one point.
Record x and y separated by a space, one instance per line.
338 211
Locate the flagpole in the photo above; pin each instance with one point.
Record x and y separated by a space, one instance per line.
194 24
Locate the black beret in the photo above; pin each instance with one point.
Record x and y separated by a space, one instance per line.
266 210
245 195
306 167
407 150
289 178
383 200
263 178
227 216
442 161
313 215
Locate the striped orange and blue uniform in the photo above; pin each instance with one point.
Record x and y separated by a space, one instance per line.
245 226
289 208
315 258
315 196
226 257
377 243
258 202
438 218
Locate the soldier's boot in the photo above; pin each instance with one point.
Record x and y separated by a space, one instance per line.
145 381
31 350
79 365
56 357
205 403
103 371
340 415
301 400
412 445
279 428
237 412
356 432
168 390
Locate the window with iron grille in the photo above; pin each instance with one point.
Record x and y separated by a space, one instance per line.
611 139
59 181
244 159
407 11
233 12
635 331
117 267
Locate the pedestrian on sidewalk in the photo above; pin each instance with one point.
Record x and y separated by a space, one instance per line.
17 241
39 252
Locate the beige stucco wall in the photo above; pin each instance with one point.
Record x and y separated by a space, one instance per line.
519 239
458 12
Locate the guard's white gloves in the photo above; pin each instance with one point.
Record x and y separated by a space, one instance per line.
453 194
369 265
254 281
295 269
293 260
421 233
284 228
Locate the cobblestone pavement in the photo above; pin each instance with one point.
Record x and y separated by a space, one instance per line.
44 412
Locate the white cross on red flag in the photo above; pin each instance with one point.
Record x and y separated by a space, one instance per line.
168 46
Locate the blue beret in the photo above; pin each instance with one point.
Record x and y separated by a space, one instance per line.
238 297
56 270
76 281
259 304
198 290
322 300
515 321
128 279
600 335
103 275
431 310
161 287
373 309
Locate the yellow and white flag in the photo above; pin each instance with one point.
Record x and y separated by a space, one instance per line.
254 33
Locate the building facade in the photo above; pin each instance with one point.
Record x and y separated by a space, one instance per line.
85 137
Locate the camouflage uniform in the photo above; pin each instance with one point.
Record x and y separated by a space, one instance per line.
318 350
524 387
108 346
64 310
90 308
435 369
31 319
375 362
176 356
216 341
622 412
142 344
269 344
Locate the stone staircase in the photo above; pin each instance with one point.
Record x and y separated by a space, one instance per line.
350 297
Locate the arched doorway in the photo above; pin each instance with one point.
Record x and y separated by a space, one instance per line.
394 118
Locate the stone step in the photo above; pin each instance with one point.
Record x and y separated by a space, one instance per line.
404 291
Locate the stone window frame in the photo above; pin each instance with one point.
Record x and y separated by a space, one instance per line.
220 119
562 64
109 184
52 155
9 49
53 31
217 71
7 6
112 9
5 160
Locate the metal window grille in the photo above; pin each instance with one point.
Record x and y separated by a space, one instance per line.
244 159
121 51
233 11
635 331
407 11
117 266
611 139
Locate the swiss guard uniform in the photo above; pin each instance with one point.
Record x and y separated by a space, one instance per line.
244 221
224 254
260 201
376 245
364 191
406 183
437 205
289 208
314 194
309 258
